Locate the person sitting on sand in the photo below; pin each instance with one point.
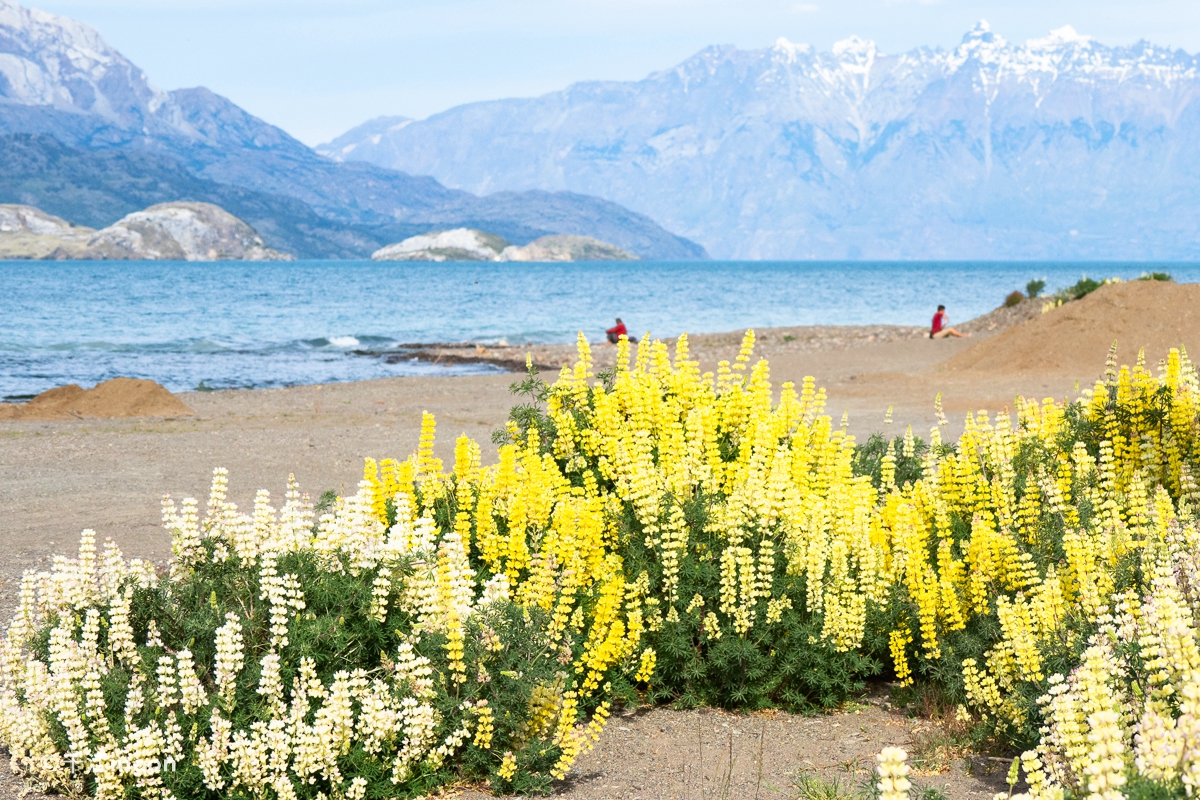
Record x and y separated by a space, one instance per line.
941 326
617 331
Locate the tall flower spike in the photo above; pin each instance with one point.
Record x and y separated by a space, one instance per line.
892 769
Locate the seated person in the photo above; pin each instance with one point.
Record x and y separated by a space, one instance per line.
941 326
617 331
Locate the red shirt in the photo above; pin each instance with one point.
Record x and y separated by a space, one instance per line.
939 321
618 329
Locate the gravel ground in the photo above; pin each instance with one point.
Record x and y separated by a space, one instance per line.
664 754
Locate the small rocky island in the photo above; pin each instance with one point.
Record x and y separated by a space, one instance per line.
468 244
182 231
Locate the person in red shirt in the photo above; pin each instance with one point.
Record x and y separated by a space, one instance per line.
941 326
617 331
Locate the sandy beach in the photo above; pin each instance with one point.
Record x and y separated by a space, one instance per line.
62 476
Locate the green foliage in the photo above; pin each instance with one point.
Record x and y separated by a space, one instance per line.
531 413
1139 787
868 459
812 786
1034 288
1082 288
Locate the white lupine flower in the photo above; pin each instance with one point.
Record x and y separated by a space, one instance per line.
168 682
112 571
229 656
217 493
283 593
357 790
153 639
295 520
270 686
135 698
381 592
185 534
95 705
410 538
892 769
120 632
447 748
497 590
415 670
264 517
353 531
380 717
192 696
212 753
420 729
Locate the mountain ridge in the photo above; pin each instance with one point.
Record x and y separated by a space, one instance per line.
1058 148
59 79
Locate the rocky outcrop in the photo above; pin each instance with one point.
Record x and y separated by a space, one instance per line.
469 244
28 232
180 232
169 231
460 244
565 247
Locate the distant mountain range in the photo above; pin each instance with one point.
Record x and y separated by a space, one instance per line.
88 138
1058 148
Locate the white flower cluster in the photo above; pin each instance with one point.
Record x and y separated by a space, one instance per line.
179 713
1118 714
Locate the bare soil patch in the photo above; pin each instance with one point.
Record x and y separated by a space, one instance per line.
706 754
1137 314
119 397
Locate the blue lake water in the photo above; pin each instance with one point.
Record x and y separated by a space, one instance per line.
235 324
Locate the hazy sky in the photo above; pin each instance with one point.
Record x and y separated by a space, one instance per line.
319 67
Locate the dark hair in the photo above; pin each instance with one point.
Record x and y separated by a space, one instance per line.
941 308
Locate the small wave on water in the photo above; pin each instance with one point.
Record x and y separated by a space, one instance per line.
204 365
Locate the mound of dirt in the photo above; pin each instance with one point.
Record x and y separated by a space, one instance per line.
1074 339
120 397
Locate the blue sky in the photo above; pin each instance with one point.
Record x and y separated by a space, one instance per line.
319 67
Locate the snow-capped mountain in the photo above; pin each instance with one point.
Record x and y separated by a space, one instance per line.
58 78
1056 148
58 75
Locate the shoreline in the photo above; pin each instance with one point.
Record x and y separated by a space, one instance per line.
708 348
705 346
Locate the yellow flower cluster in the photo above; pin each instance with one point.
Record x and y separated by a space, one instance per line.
974 535
652 439
966 539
